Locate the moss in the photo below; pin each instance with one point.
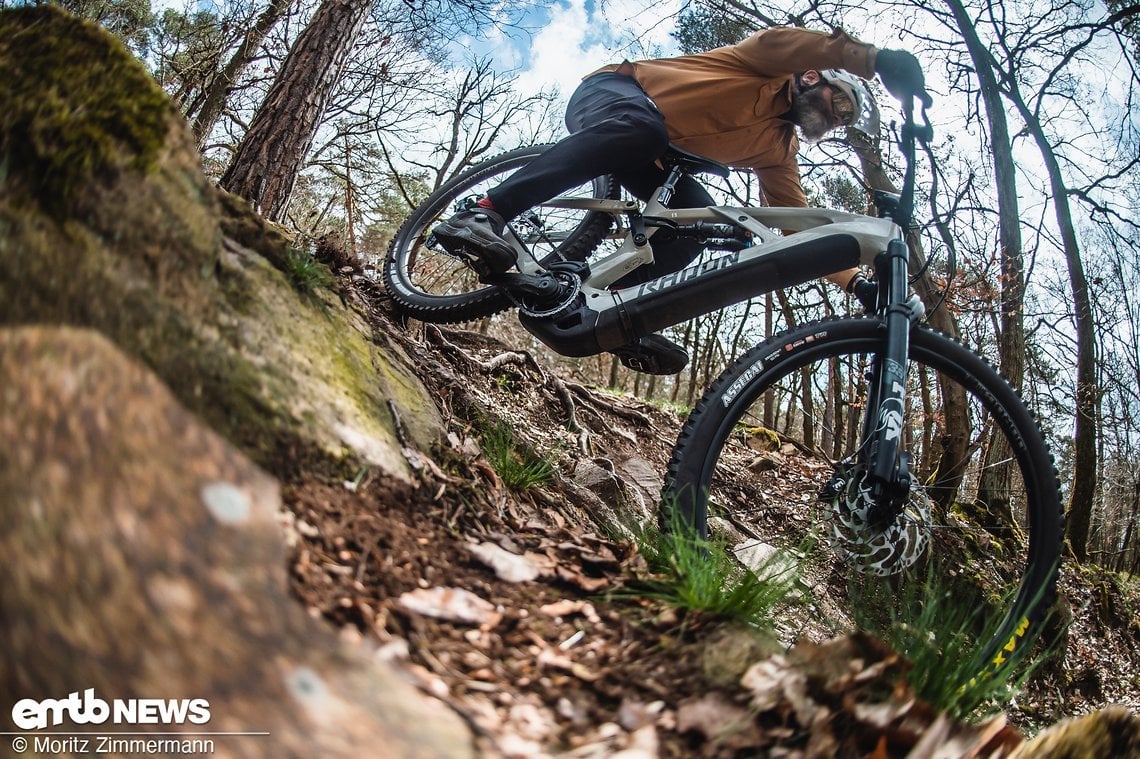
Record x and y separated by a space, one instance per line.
75 105
243 226
109 223
762 439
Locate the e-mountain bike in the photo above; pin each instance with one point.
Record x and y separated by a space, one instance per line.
925 467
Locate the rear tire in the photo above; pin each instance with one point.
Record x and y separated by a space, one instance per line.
428 284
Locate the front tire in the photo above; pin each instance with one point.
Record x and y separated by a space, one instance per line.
428 284
996 545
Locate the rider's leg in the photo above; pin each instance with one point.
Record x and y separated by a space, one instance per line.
614 127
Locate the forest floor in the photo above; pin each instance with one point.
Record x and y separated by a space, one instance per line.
514 609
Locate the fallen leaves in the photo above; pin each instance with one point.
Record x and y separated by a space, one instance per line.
848 694
510 567
451 605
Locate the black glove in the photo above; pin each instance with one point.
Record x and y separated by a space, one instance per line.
901 75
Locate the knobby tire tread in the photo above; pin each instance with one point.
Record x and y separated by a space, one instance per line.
698 440
486 301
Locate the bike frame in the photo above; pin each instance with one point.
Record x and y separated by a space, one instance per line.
826 242
821 242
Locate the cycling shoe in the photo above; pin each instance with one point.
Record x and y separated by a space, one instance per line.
476 237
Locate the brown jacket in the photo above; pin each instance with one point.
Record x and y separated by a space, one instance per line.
728 104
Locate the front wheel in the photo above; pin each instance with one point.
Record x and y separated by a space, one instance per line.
429 284
981 528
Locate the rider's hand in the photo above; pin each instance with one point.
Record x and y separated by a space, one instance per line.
901 74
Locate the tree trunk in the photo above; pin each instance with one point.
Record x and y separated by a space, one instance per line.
997 470
1084 486
691 395
830 404
218 92
273 151
1125 541
927 425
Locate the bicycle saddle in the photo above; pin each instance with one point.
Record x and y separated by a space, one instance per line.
693 163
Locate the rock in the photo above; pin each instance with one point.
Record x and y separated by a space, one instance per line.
643 475
731 650
143 559
107 222
601 477
768 563
1113 731
764 463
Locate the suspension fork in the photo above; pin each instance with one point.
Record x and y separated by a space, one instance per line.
883 456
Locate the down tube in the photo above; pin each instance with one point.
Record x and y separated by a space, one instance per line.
698 290
639 311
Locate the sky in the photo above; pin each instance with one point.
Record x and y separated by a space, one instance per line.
570 38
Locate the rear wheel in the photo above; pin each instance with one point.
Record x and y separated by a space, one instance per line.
982 524
431 285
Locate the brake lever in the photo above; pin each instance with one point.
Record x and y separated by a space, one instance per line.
923 134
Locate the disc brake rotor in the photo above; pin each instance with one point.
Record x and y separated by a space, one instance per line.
885 550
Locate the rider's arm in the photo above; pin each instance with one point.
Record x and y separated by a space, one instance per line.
781 185
781 51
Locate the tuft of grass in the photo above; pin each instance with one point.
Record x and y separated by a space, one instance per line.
305 272
937 629
517 466
704 576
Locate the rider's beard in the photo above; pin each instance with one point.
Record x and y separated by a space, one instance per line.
810 113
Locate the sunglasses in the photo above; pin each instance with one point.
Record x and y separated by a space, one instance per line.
842 106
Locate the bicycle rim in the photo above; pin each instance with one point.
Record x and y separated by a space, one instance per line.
988 504
432 285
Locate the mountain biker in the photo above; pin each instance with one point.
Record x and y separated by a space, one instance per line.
741 105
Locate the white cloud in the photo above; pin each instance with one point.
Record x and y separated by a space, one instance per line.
579 38
562 52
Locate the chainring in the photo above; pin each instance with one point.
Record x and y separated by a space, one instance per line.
573 286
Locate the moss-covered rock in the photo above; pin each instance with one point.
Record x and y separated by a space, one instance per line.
106 221
762 439
79 107
1112 731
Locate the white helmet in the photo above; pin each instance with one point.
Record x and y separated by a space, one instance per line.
866 112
